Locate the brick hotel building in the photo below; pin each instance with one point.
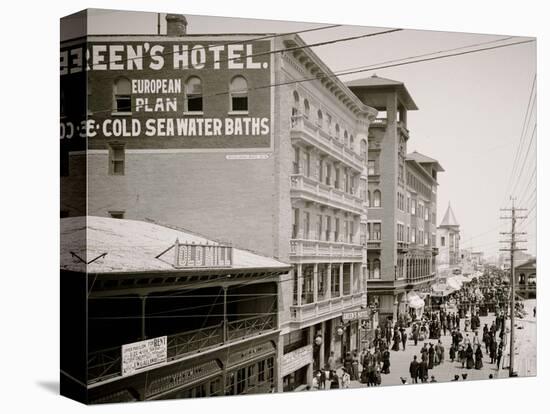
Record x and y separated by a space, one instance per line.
280 171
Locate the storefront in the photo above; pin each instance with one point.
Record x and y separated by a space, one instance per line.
248 368
296 368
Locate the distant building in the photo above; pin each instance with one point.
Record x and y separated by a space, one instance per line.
448 242
526 278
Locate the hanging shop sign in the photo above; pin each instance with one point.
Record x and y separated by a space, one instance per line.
353 316
140 355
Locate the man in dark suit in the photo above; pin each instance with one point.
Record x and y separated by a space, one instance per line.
413 370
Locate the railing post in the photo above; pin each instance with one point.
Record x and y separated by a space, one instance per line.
143 299
224 314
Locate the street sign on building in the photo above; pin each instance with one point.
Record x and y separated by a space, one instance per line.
355 315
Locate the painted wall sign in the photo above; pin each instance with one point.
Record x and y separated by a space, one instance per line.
171 95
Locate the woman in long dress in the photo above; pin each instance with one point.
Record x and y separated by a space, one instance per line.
396 340
431 356
479 357
469 357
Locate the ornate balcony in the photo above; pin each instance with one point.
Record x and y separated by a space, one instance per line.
402 246
325 249
326 307
302 129
374 244
311 190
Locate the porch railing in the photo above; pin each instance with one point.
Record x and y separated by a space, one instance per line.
106 363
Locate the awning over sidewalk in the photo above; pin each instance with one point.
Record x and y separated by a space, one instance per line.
414 300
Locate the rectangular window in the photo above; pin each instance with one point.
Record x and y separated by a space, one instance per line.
442 241
413 207
306 226
328 229
239 102
319 226
328 175
377 231
351 231
370 167
116 159
123 103
295 222
336 229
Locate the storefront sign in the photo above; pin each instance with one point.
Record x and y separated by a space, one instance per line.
140 355
203 255
251 353
353 316
296 359
182 377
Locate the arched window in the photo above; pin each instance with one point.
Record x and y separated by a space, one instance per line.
377 198
238 90
351 141
296 105
363 149
122 91
306 108
376 269
193 95
368 269
337 131
346 141
320 118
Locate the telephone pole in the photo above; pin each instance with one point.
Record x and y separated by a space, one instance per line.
513 248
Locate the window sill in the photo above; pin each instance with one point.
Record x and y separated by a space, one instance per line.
237 113
193 113
116 113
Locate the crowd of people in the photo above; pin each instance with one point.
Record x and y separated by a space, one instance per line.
457 316
468 344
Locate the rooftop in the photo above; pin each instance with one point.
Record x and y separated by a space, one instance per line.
132 246
376 82
424 159
449 220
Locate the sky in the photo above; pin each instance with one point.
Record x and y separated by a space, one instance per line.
471 108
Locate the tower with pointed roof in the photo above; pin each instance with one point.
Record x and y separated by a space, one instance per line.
448 241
